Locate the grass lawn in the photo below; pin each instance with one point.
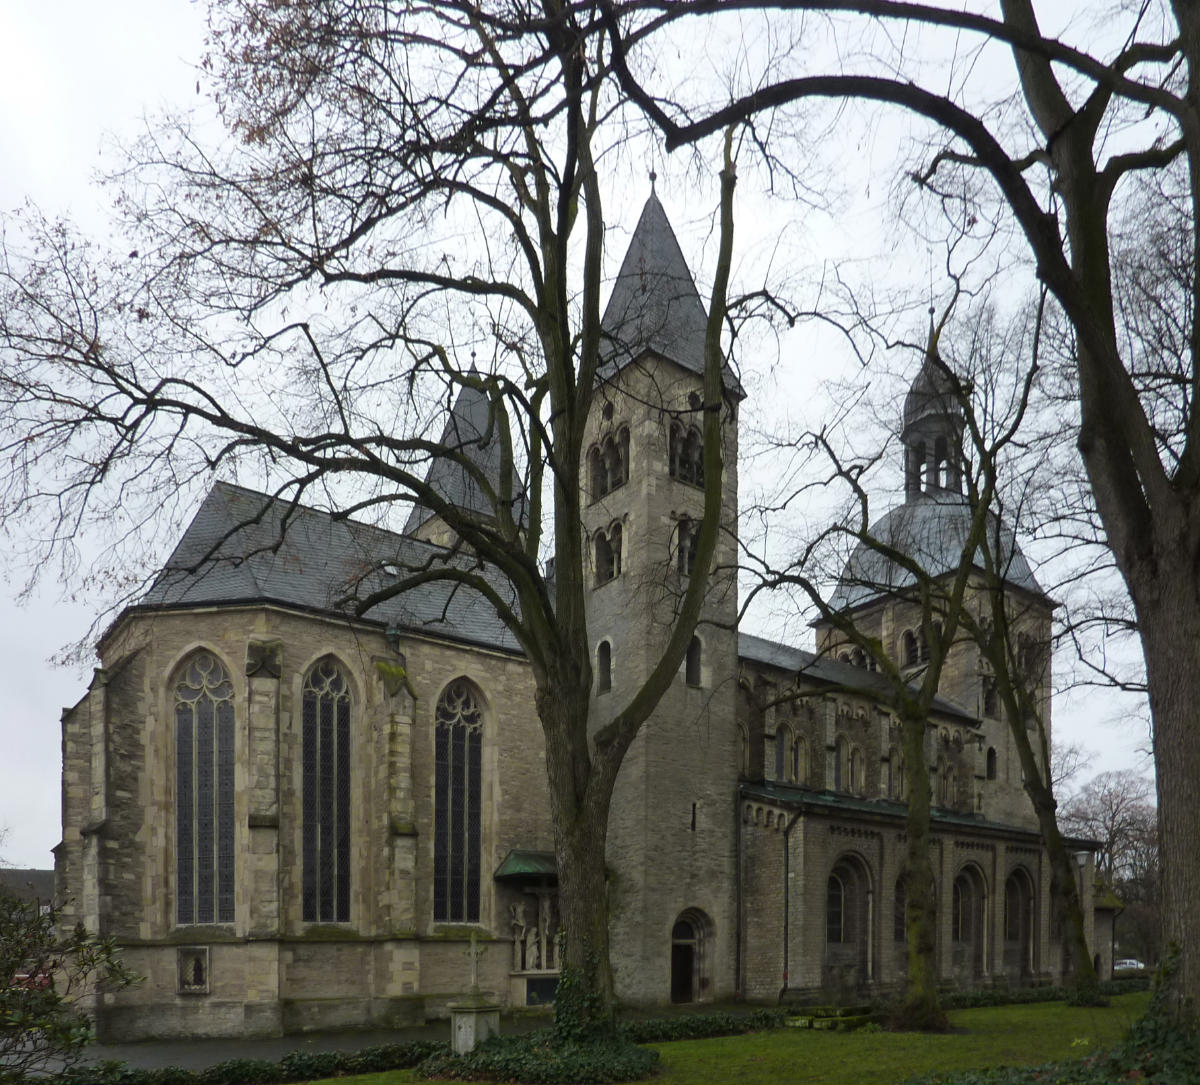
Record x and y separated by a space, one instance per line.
996 1036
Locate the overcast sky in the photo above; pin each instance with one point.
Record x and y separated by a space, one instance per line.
71 72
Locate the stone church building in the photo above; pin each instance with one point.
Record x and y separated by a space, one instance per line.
290 817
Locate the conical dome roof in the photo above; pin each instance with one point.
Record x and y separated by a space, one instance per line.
933 393
932 529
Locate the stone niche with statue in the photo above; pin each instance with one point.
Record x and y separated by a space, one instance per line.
535 925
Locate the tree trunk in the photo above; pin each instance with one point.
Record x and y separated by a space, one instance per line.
1083 974
579 806
921 1008
1168 609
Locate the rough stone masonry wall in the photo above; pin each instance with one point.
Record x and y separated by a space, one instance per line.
269 969
671 834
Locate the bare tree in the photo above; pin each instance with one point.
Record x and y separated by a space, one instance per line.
1115 809
399 186
1072 189
963 584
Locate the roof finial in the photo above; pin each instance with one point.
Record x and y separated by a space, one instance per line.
653 178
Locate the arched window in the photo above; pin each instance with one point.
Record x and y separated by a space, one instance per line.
596 473
991 763
687 538
686 454
607 547
908 648
799 774
941 462
991 697
457 813
204 756
841 765
675 450
856 781
1030 659
325 758
923 641
614 464
847 916
783 744
835 910
899 919
858 658
691 669
893 773
603 667
608 463
693 453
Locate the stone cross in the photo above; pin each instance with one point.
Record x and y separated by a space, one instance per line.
475 951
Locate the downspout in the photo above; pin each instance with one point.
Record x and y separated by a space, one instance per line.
738 984
787 892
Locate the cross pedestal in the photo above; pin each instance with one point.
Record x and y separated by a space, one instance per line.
474 1018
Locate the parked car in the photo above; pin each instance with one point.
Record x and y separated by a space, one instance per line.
1128 964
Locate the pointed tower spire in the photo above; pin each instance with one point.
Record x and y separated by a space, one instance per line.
655 306
467 432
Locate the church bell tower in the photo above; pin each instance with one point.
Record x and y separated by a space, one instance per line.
670 848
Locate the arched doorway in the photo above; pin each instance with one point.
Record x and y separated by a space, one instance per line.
848 926
968 924
1018 925
689 980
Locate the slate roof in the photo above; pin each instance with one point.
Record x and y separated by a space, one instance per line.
932 529
27 884
468 430
654 305
831 672
932 394
247 547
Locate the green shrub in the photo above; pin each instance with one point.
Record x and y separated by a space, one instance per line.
698 1026
45 968
297 1066
541 1057
237 1071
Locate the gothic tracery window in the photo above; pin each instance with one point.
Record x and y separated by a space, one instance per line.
458 792
204 756
325 757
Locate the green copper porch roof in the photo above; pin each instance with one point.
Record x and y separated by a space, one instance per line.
520 864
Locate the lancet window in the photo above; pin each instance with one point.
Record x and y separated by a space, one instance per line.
325 756
458 802
204 816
